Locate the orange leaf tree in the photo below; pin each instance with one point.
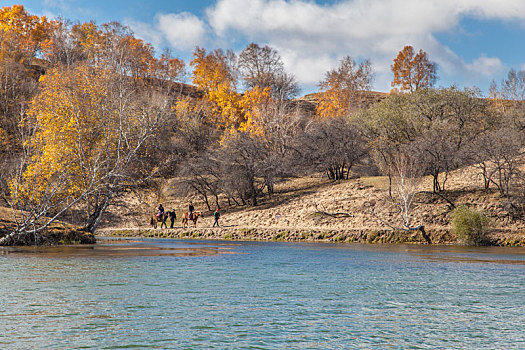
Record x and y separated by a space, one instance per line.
413 72
21 37
21 34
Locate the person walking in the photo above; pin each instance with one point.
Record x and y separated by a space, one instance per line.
172 216
216 216
161 210
191 209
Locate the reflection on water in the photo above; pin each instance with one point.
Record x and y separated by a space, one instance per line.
173 294
115 248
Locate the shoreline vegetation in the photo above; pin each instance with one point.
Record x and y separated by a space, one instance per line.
310 209
437 237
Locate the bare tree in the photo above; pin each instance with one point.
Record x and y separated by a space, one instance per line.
201 175
263 67
406 179
500 157
513 87
406 182
332 146
277 124
242 156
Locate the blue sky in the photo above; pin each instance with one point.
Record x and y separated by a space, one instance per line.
472 41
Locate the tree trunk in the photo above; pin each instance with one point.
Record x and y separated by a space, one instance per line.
236 203
269 187
96 216
437 187
253 193
205 196
217 201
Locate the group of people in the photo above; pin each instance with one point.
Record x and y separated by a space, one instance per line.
172 215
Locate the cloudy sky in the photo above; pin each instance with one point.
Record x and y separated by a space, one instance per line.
472 41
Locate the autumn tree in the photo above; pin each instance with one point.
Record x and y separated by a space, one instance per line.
263 67
22 33
343 88
63 46
94 126
193 133
88 141
21 38
413 72
216 74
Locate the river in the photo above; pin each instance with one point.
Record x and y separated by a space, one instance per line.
175 294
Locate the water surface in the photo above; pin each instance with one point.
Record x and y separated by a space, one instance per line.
174 294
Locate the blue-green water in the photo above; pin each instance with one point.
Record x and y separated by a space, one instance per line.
171 294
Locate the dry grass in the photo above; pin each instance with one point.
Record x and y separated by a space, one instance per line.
298 204
300 201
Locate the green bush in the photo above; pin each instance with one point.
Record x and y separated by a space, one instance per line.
469 226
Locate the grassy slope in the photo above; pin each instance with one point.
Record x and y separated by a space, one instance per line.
300 201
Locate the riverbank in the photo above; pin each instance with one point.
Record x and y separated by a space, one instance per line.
317 209
437 237
58 233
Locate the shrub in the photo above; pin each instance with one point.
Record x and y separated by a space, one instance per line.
469 226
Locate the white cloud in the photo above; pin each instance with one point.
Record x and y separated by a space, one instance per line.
309 35
486 66
312 38
311 69
145 32
183 30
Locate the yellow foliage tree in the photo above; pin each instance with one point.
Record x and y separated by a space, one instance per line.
342 89
215 75
90 134
253 105
21 34
69 131
90 38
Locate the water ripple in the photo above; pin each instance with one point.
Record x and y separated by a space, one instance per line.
169 294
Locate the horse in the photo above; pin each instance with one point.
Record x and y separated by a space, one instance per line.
159 218
186 218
